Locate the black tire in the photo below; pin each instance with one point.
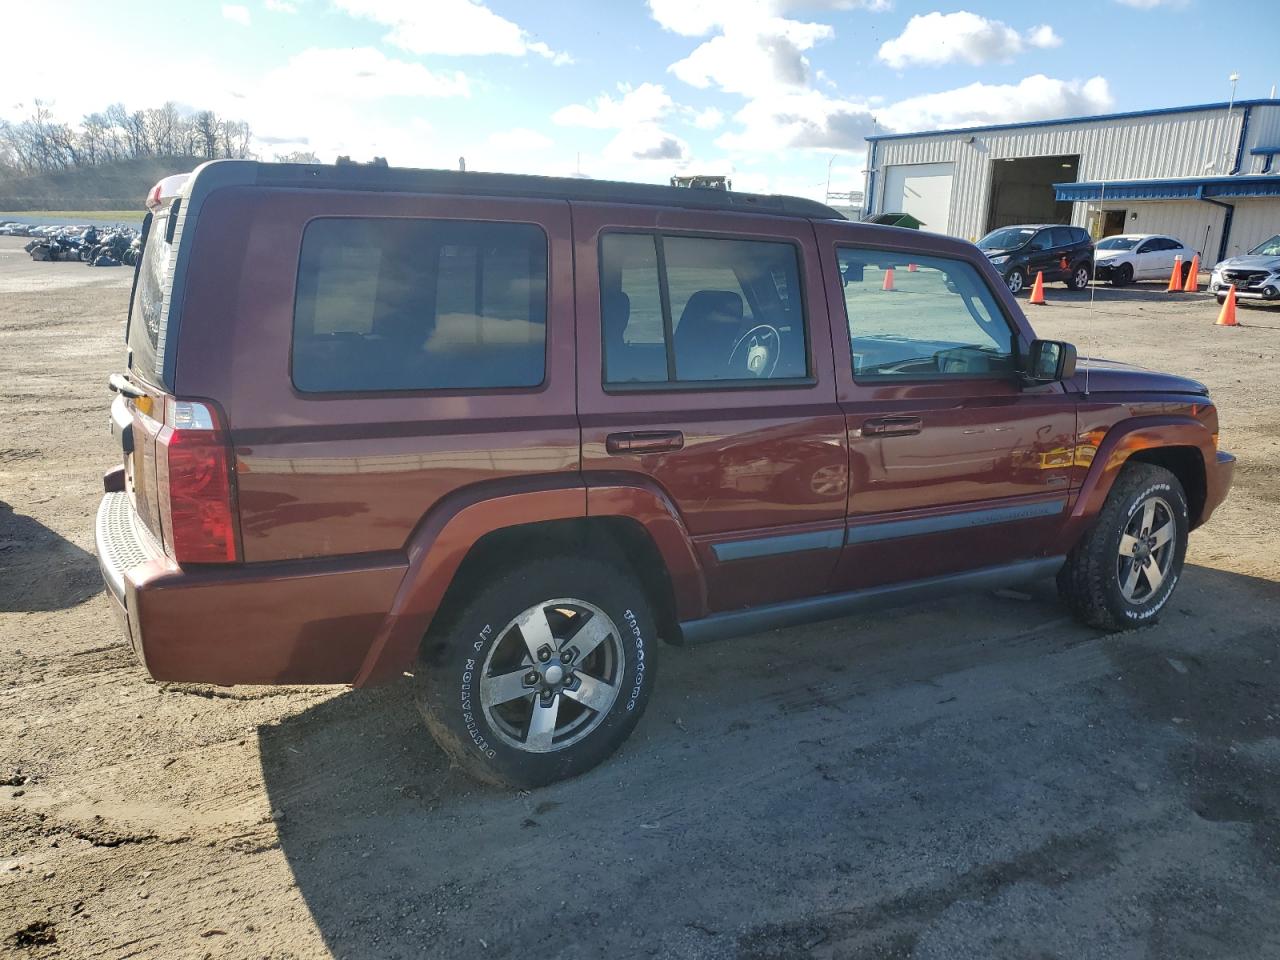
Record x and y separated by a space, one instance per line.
477 638
1122 275
1090 581
1078 278
1186 271
1016 280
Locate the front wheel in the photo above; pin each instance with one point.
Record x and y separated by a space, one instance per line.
1016 279
541 673
1122 573
1122 275
1079 279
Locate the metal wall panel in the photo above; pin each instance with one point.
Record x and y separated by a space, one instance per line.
1253 222
1195 223
1264 131
1165 145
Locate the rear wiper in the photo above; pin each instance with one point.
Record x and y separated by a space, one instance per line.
119 384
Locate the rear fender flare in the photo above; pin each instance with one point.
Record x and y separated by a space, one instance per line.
443 539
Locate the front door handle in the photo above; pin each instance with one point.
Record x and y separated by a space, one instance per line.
892 427
644 441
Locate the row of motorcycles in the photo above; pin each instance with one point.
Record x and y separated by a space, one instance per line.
121 245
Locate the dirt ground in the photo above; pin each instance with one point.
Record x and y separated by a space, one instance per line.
980 777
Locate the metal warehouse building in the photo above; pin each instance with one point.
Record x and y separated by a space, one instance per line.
1209 175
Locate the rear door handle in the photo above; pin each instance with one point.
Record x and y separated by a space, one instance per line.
644 441
892 427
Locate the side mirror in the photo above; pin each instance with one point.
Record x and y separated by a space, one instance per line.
1049 361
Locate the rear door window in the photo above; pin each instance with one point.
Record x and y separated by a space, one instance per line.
701 309
1062 237
413 304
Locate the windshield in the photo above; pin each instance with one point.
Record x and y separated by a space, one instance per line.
1268 248
1006 239
1118 243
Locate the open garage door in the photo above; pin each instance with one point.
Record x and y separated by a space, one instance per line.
922 190
1022 190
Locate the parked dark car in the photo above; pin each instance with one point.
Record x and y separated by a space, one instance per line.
503 433
1020 252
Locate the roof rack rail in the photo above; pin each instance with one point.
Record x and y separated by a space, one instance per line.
378 177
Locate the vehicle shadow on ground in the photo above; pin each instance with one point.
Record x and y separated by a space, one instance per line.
40 569
980 776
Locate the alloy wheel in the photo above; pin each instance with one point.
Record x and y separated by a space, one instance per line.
552 675
1147 549
1015 282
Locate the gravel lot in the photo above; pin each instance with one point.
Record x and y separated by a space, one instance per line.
980 777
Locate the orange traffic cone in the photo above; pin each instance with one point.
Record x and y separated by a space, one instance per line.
1063 264
912 268
1193 276
1227 318
1175 278
888 279
1037 289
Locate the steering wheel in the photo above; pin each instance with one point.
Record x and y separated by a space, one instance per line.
758 351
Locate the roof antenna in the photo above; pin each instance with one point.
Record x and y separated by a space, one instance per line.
1093 286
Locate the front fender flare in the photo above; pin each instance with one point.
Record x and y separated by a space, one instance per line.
1120 443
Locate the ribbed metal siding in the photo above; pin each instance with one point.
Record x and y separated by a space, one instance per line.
1166 145
1253 222
1264 131
1188 220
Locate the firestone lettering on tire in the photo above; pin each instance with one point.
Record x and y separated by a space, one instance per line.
639 684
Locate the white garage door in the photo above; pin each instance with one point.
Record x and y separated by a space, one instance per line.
922 190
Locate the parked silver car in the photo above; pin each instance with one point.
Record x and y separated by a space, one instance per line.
1256 275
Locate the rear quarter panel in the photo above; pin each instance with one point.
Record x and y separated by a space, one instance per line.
326 475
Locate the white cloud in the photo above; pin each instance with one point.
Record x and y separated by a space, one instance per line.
361 73
938 38
1034 98
805 119
645 103
696 18
1043 36
236 14
636 115
519 141
708 119
282 6
753 56
451 27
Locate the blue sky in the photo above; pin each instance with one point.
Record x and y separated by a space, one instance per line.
768 91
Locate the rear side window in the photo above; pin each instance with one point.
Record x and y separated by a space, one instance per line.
147 311
1063 237
412 304
700 309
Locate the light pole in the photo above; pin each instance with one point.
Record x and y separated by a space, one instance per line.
1226 138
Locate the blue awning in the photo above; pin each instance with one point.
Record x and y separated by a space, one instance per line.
1189 188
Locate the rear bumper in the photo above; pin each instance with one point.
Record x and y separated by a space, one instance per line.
283 622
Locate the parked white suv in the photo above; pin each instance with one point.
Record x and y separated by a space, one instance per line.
1256 275
1128 257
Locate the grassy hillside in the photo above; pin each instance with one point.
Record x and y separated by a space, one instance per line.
117 186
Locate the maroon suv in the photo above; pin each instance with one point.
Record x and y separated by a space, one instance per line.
502 433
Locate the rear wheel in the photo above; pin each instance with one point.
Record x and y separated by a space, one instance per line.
1122 275
1016 279
541 673
1123 571
1079 278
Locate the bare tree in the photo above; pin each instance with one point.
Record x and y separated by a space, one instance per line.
297 156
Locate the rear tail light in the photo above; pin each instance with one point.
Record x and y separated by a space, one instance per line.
193 473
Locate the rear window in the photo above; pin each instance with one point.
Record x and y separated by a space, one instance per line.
413 304
147 311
